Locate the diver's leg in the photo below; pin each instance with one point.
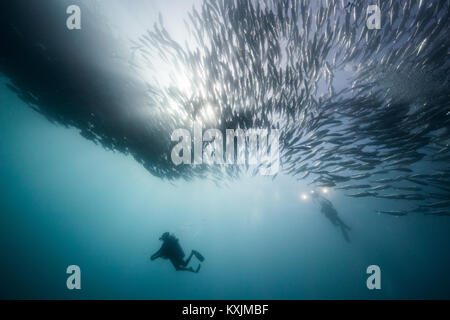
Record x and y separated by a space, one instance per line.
344 233
346 226
344 229
180 268
180 265
343 224
185 263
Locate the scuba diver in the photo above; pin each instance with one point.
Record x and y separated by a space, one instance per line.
172 250
327 208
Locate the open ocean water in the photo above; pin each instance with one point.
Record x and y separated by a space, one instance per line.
66 200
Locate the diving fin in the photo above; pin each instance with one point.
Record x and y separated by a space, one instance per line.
198 255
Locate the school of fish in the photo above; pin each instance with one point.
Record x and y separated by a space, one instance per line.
361 110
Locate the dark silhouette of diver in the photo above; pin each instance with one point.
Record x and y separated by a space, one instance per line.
172 250
327 208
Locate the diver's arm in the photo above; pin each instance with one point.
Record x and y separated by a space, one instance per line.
156 255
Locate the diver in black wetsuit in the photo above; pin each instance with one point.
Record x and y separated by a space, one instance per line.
327 208
172 250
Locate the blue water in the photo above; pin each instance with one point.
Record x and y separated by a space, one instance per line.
65 200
